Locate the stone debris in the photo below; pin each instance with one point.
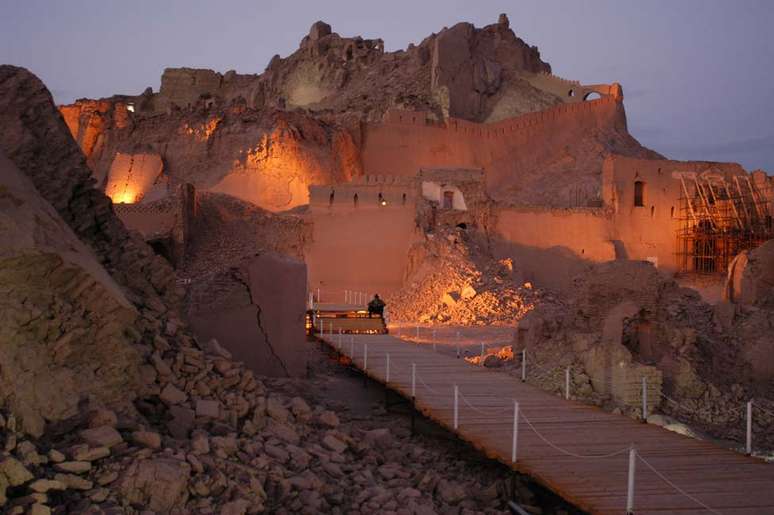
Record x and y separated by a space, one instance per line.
457 281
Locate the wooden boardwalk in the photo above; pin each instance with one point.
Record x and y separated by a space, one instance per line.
561 443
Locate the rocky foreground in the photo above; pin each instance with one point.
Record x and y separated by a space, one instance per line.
109 404
214 439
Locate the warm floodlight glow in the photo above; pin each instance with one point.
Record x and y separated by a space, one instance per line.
384 202
124 197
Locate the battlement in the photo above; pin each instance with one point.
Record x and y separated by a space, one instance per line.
501 128
557 78
366 192
572 91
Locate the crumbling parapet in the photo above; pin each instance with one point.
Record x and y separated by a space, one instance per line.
166 224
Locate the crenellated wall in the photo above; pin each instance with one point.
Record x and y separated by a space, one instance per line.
572 91
361 247
507 150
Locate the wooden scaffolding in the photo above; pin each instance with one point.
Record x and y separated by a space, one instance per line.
719 218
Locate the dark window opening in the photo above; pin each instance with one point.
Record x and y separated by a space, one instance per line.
332 196
639 194
448 199
163 247
462 226
354 199
592 95
404 199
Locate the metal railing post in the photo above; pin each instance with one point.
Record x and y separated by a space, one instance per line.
567 383
630 483
523 365
456 406
748 447
413 380
515 431
644 399
387 373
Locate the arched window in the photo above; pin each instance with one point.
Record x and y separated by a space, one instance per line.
639 194
332 196
592 95
354 199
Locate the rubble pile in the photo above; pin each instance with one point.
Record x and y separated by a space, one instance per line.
627 308
453 279
208 437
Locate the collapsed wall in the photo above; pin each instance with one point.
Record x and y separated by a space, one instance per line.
60 313
39 143
624 320
751 277
451 278
266 157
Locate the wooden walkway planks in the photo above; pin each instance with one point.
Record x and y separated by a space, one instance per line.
712 479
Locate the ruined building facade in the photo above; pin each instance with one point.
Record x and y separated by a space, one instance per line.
341 125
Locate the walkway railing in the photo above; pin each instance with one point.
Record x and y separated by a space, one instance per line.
510 412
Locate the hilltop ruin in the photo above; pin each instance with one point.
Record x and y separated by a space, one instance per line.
163 247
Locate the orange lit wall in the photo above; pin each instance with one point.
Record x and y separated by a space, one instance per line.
401 145
133 176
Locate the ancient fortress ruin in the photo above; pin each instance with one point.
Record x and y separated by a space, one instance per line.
164 253
341 124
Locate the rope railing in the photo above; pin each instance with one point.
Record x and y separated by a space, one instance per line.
484 411
519 415
570 453
677 488
567 393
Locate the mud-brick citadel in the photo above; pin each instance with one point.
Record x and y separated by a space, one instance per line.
340 125
188 318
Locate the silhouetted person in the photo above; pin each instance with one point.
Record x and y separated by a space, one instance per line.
376 306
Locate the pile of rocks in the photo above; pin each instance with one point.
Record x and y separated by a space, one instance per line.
457 281
192 431
208 437
703 351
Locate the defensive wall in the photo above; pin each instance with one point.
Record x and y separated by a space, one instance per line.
362 245
551 246
406 141
572 90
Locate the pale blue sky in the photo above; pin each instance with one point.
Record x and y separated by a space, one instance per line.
698 75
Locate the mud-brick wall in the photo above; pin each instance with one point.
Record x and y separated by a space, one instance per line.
362 248
551 246
626 387
404 144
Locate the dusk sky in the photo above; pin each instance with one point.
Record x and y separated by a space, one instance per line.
698 75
